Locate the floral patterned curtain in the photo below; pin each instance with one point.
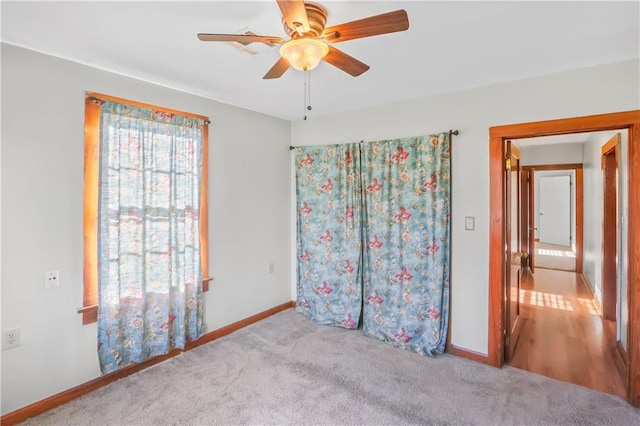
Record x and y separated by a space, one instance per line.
406 240
329 235
150 284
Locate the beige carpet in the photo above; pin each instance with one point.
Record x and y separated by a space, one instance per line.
288 370
550 256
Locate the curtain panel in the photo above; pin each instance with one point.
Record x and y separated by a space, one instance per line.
329 234
149 279
373 231
406 185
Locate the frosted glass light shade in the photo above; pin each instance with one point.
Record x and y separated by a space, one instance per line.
304 54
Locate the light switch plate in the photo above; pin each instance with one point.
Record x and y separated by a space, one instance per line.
469 223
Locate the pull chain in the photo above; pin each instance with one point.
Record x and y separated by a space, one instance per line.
307 93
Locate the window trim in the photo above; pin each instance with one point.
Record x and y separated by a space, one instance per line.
89 308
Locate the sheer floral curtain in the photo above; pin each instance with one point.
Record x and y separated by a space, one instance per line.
406 185
150 283
329 235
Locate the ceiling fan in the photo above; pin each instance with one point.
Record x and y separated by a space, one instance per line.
304 23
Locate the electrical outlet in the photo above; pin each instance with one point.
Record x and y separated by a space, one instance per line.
270 268
10 338
51 279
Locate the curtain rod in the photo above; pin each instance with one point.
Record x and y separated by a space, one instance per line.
97 100
451 132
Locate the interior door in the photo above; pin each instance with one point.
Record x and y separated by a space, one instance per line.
610 158
554 226
513 264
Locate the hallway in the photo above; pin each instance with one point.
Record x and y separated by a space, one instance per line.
562 335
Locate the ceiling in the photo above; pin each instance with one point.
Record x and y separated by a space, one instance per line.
449 46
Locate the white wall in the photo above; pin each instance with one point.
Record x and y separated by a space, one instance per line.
593 212
601 89
42 183
593 204
562 153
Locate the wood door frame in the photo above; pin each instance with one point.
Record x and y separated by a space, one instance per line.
629 120
532 212
579 192
610 226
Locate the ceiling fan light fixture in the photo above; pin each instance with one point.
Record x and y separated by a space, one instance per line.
304 54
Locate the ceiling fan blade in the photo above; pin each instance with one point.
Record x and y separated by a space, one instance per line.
241 38
390 22
346 63
277 70
294 14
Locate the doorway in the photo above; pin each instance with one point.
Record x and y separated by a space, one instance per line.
497 272
557 309
554 247
546 249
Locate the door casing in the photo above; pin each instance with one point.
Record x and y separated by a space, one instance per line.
629 120
579 185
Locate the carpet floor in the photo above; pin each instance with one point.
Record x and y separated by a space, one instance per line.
288 370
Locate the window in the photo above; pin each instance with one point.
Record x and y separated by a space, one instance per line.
145 182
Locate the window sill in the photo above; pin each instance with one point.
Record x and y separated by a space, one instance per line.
89 314
205 283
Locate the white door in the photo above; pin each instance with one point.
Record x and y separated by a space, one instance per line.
554 223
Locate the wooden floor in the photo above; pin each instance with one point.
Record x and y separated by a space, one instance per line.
563 336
